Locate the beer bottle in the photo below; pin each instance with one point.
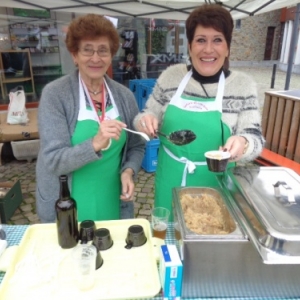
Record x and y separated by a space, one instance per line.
66 216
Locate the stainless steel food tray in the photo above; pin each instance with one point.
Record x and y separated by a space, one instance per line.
266 201
234 230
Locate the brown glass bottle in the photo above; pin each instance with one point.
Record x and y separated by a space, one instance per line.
66 216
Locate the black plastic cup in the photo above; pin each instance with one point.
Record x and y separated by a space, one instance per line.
102 239
86 231
135 237
99 259
217 160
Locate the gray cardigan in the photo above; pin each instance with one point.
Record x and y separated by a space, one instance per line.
57 117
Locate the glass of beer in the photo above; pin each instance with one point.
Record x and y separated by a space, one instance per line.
159 222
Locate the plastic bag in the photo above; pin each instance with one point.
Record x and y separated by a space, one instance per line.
17 113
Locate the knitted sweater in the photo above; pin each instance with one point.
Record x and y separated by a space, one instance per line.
57 118
240 103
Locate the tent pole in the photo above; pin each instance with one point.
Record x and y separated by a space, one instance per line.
150 37
292 48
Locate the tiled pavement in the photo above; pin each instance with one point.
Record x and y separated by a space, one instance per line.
25 172
144 191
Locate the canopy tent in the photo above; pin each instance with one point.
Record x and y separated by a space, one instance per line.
160 9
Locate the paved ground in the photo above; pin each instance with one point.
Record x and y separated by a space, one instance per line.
144 192
25 172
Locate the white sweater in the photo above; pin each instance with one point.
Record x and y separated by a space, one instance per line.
240 103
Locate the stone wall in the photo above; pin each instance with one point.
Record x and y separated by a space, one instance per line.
248 42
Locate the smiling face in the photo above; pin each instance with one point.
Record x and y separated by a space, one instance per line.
93 68
208 50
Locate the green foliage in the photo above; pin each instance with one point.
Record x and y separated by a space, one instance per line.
158 38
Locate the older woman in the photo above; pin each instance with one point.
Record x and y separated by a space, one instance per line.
219 105
81 121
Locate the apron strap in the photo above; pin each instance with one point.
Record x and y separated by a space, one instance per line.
182 84
220 92
219 95
111 97
190 166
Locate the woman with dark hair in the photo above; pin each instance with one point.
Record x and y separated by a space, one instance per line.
219 105
81 121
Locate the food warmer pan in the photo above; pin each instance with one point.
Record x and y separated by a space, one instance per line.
257 251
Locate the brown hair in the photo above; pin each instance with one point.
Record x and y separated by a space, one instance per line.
210 15
91 26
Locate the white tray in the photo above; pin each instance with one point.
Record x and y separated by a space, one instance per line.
125 274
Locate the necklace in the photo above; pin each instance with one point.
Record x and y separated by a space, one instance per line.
95 93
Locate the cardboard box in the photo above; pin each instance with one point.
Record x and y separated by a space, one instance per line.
17 132
170 271
10 199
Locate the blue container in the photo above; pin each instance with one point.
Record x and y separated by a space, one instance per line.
151 154
135 85
146 90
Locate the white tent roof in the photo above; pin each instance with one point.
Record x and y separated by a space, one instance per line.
160 9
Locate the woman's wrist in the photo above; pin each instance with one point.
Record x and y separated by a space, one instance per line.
129 171
98 145
108 145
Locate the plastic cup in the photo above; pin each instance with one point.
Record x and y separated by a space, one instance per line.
86 231
102 239
135 236
159 222
84 257
217 160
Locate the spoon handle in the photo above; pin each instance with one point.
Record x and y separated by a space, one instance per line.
162 134
144 135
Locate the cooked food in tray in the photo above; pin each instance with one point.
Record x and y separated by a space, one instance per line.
205 213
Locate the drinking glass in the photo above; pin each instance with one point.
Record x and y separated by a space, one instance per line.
159 222
84 258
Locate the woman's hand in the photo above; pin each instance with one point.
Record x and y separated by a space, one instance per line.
127 185
109 129
236 145
148 124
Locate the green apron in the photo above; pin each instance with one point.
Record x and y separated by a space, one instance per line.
96 187
186 165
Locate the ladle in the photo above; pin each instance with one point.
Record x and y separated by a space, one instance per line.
144 135
179 137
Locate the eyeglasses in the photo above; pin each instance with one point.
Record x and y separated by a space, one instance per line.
104 52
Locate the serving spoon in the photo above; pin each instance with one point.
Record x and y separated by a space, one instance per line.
179 137
144 135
